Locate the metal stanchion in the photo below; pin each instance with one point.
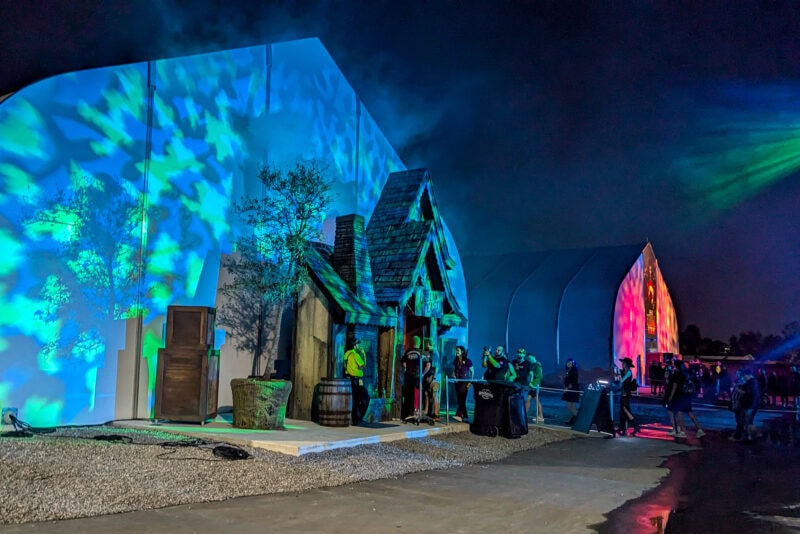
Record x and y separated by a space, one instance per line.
447 400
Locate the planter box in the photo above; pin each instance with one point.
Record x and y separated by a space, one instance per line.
260 404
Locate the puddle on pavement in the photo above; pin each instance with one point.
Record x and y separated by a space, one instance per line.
723 487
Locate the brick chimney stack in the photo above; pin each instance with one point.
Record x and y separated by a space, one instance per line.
351 255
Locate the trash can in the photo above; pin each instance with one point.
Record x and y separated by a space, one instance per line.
499 409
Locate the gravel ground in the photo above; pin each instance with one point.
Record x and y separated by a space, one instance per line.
69 473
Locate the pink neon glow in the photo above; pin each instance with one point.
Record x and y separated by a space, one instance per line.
665 317
629 314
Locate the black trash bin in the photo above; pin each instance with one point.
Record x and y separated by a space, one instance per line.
499 409
515 421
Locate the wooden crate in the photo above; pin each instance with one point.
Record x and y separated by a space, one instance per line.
187 375
190 327
187 384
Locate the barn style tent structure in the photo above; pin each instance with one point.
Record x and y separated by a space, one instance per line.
116 186
595 305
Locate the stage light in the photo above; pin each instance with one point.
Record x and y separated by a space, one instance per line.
746 138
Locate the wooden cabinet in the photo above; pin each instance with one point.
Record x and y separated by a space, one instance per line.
187 376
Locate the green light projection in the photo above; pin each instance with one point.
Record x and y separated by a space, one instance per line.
747 140
105 216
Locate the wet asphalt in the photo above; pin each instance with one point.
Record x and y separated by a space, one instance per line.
724 486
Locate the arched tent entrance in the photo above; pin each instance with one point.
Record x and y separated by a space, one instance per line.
566 304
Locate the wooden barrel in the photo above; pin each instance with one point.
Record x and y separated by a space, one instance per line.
335 402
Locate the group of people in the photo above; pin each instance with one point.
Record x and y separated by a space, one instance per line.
745 401
776 388
680 386
679 391
675 380
421 366
420 390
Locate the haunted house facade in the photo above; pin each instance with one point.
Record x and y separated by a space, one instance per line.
382 283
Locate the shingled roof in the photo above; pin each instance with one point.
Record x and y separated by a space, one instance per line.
403 229
357 309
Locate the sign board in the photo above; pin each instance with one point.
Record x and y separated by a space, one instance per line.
595 409
428 303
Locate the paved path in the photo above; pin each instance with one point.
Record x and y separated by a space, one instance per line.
563 487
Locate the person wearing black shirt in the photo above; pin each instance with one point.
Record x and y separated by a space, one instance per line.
652 374
627 387
462 369
750 404
412 363
673 399
523 369
496 365
572 393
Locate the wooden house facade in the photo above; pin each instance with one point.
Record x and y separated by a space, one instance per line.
383 284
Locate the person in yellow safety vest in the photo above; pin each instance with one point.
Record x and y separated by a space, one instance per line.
354 362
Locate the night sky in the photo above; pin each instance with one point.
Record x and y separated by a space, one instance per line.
544 124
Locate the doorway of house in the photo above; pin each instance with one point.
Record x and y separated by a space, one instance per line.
416 326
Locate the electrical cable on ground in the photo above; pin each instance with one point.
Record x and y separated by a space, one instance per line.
222 452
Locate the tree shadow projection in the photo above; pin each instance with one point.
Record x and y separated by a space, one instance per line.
268 267
96 226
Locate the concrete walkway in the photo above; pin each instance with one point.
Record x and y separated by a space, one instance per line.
563 487
300 437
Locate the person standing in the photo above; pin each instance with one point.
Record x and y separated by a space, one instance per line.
652 374
431 385
497 365
354 363
524 371
536 383
772 388
522 368
627 387
750 404
672 393
737 406
796 386
571 394
462 370
660 378
685 399
783 389
761 378
412 365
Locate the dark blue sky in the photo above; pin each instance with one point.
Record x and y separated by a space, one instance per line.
545 124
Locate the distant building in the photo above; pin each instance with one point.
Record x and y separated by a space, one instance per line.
595 305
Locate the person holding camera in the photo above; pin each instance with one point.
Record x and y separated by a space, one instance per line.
497 365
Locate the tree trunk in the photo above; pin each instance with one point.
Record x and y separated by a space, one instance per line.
254 371
272 330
